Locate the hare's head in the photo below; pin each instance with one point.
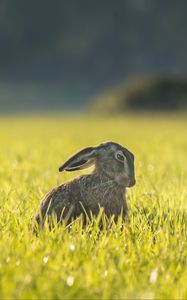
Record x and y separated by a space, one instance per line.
109 158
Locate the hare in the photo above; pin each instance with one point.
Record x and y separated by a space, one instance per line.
105 187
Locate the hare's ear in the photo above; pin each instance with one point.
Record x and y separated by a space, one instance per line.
80 160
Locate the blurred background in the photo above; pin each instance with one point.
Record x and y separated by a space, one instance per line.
102 55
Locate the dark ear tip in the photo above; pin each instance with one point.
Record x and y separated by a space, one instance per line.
61 169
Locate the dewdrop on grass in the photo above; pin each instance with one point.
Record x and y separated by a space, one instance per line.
70 280
153 276
72 247
45 259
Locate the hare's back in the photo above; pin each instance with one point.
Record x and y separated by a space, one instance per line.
59 201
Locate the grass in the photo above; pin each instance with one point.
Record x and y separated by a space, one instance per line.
145 260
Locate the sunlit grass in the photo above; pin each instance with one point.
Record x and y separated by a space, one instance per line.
145 258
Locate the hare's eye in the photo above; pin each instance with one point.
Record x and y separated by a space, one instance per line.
119 156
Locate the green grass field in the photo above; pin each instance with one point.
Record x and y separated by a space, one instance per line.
145 260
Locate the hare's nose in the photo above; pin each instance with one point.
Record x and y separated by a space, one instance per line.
132 182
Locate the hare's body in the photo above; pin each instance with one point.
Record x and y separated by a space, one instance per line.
70 200
85 195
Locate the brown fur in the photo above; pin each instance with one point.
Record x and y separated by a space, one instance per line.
86 194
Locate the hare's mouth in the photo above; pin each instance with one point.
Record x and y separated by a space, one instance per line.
125 180
122 180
